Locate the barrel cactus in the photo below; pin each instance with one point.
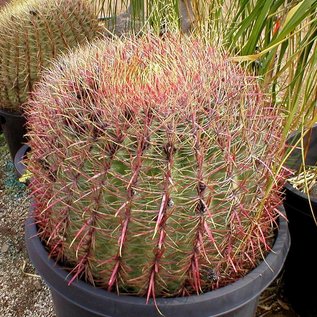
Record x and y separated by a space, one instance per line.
152 166
32 33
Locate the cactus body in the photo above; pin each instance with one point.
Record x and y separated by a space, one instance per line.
32 33
151 160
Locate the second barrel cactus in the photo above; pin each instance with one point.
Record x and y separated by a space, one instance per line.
32 33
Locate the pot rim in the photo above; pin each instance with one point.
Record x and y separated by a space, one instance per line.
288 185
7 113
18 159
299 193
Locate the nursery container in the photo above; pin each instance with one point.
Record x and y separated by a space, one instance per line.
238 299
303 231
13 127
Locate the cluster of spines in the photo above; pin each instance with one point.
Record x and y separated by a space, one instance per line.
151 160
32 33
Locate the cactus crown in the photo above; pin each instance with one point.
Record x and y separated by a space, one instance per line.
151 160
32 33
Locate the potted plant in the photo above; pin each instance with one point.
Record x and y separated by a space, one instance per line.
32 33
134 16
301 208
156 174
278 39
285 54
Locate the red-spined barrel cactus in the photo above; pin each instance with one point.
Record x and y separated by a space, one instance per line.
32 33
152 163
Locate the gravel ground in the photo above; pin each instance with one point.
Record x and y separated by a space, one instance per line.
23 293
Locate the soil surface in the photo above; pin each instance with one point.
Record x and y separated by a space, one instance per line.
23 293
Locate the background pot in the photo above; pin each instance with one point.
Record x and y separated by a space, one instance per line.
13 128
299 274
238 299
18 159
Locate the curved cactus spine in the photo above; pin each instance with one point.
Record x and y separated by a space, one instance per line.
151 161
32 33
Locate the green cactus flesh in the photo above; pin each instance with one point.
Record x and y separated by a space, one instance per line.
32 33
151 163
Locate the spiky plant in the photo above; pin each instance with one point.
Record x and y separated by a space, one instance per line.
154 166
122 16
32 33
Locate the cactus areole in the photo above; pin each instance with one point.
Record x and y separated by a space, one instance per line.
154 166
32 33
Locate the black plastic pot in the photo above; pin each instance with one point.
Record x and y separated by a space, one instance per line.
13 128
239 299
300 278
18 159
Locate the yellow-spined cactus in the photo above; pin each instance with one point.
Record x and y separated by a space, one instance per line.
32 33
